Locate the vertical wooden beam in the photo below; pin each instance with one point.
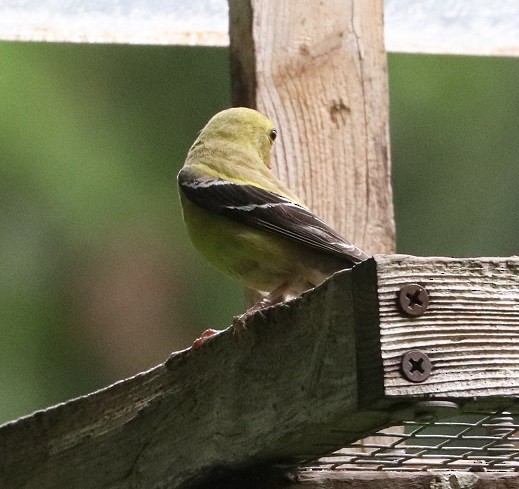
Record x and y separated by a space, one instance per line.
318 69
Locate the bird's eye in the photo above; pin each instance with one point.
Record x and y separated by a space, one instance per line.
273 135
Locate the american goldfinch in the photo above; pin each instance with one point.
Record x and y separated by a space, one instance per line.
246 222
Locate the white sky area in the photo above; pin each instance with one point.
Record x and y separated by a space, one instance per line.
428 26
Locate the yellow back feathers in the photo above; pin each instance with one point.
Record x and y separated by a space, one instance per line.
244 220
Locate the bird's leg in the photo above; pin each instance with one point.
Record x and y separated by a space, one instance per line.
277 295
201 339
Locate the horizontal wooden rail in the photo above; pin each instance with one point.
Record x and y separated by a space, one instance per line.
305 378
469 331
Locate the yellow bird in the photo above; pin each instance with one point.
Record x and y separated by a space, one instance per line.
246 222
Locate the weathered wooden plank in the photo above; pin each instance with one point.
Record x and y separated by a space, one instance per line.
318 70
339 479
470 330
305 378
284 390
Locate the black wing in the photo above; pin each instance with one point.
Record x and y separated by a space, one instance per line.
264 210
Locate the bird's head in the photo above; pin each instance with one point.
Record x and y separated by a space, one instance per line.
244 127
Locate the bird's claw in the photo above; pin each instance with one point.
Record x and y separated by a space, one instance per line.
238 323
201 340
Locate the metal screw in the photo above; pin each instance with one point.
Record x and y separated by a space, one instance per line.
413 299
501 426
415 366
428 411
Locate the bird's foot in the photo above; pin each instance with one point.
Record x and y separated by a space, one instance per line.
201 340
238 322
273 298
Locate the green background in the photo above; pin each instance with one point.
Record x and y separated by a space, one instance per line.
97 278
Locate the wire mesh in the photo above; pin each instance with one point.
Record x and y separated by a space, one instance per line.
473 441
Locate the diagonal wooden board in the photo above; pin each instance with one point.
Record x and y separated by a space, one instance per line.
306 378
277 392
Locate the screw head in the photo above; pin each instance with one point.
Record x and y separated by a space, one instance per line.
415 366
413 299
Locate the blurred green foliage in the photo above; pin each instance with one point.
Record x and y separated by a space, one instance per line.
455 152
97 278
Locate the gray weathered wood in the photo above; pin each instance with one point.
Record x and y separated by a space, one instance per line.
339 479
471 333
470 330
319 71
305 378
285 390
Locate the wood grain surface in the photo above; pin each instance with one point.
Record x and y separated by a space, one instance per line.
318 70
285 390
338 479
305 378
470 330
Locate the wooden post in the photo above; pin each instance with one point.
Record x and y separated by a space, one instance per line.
318 70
